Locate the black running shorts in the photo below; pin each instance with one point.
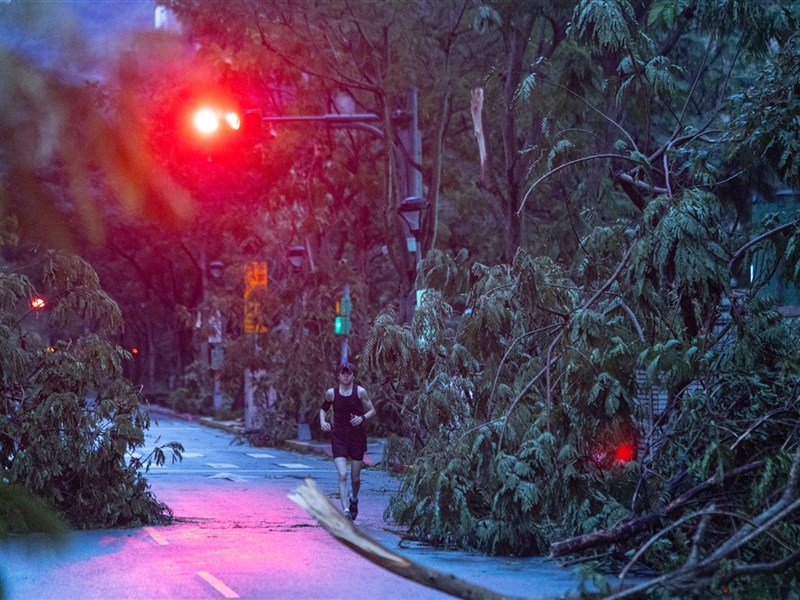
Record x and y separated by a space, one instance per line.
350 442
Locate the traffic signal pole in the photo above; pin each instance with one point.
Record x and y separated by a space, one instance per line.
345 310
408 156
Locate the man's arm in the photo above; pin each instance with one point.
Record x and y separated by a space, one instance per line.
323 412
366 403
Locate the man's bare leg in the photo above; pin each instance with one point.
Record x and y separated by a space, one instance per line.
341 470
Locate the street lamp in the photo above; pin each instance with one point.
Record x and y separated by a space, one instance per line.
297 256
215 269
410 210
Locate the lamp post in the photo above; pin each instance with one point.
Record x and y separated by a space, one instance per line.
215 270
297 258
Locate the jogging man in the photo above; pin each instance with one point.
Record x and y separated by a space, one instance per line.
351 409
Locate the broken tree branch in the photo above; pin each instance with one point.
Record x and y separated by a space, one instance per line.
636 526
311 498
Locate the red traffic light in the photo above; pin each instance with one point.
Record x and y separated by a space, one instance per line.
624 453
207 120
608 455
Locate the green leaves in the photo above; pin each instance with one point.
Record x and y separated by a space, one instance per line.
604 24
68 417
666 12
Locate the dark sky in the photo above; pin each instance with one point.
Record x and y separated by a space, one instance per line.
72 36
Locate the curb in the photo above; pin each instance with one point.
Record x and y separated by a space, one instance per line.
235 427
310 447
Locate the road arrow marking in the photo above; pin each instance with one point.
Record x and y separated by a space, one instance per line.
217 584
159 539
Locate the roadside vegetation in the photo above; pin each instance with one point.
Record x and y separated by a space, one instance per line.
71 426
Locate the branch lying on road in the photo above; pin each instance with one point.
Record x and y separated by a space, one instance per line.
311 498
631 528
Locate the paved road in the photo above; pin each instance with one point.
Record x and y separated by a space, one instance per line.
237 535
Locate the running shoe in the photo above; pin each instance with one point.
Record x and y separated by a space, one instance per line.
353 508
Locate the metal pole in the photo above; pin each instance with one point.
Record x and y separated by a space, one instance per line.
217 394
414 174
344 357
327 118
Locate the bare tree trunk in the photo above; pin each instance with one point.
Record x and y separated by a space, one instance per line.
505 201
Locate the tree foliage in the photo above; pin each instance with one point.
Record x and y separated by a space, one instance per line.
520 381
70 421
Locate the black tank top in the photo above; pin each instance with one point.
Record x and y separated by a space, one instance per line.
345 406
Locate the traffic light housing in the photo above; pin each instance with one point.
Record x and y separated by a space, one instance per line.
341 323
207 120
213 127
224 123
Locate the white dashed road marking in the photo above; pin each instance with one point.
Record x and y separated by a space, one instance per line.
192 455
231 476
159 539
294 465
221 466
255 455
217 585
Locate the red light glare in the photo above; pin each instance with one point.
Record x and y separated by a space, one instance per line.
134 350
233 121
624 453
38 302
205 120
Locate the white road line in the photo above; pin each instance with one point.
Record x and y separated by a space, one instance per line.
231 476
294 465
159 539
221 466
257 455
217 584
192 455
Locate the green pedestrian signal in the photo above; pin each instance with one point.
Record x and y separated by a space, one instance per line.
341 323
341 326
